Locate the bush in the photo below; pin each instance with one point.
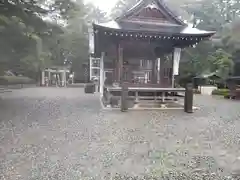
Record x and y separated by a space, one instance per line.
13 80
221 92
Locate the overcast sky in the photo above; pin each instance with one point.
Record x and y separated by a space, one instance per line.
105 5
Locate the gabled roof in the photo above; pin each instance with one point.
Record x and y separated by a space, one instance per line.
151 4
153 17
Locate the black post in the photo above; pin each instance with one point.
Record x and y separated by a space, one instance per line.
188 101
124 98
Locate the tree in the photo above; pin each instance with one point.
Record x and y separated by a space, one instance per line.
230 43
122 6
194 60
94 14
74 43
220 16
21 23
213 14
221 62
38 33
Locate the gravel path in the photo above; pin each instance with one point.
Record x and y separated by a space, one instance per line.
58 133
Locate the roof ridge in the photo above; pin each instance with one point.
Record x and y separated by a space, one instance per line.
160 3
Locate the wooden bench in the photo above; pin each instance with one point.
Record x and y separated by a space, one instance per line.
141 93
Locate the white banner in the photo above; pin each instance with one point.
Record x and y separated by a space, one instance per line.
176 60
91 41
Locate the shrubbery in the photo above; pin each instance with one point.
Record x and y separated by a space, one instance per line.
221 92
13 80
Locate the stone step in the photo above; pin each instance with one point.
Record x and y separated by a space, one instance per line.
161 105
150 104
155 101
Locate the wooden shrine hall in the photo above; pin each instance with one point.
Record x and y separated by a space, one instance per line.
142 48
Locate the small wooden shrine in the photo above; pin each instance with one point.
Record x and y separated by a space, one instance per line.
142 47
55 75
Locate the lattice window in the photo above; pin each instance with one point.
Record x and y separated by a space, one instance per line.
150 13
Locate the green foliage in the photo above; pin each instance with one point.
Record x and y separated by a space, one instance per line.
221 63
14 80
122 6
230 39
221 53
194 60
39 33
221 92
213 14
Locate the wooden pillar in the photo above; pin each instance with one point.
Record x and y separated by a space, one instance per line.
120 64
115 66
154 78
124 97
102 73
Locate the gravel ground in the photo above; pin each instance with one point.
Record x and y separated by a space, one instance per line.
58 133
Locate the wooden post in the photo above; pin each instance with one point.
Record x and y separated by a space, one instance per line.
124 98
188 101
124 93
